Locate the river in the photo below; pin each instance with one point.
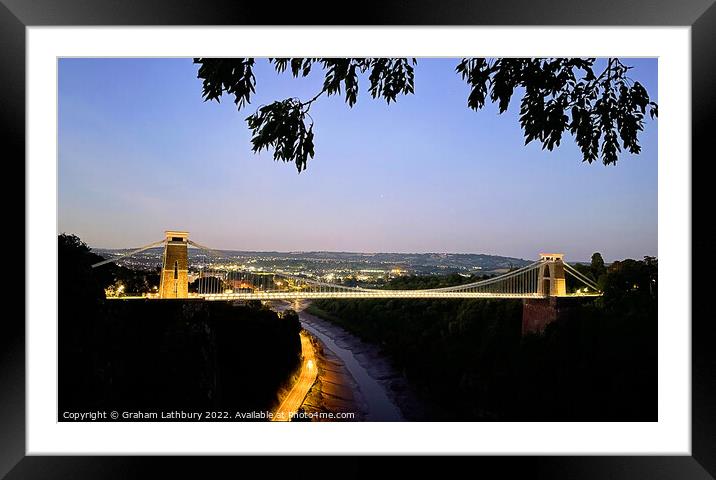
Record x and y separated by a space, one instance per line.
381 388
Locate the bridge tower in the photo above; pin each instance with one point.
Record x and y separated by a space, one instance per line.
537 313
551 275
174 282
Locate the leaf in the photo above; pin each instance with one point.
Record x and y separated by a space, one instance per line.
231 75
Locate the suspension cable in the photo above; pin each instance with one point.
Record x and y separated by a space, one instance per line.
580 276
492 280
216 253
129 254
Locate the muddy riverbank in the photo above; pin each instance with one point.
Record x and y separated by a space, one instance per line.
335 390
385 392
354 375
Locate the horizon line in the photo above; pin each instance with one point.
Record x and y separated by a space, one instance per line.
329 251
357 252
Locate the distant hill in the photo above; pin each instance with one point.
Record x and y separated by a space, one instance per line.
419 263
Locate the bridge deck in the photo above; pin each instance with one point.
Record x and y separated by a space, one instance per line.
388 294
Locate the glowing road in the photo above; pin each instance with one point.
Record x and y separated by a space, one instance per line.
309 372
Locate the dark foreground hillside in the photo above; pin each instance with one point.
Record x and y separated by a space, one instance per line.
165 355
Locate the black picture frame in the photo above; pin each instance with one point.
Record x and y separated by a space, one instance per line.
700 15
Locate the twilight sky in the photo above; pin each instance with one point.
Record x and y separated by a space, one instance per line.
140 153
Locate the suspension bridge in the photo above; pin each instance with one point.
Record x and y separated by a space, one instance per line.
542 279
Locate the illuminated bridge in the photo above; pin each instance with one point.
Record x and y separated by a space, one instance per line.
543 279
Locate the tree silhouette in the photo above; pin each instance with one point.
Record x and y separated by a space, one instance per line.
207 284
597 266
558 95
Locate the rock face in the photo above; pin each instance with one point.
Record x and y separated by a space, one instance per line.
177 354
537 313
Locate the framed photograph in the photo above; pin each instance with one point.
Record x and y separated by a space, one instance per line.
417 231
